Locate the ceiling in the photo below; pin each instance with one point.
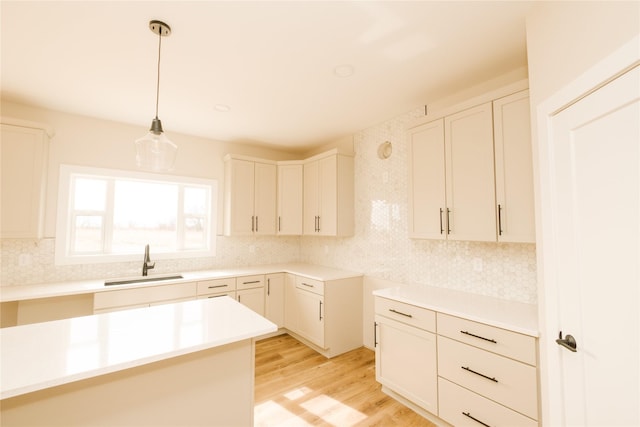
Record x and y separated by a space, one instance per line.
275 65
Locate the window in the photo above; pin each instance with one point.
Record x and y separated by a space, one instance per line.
109 215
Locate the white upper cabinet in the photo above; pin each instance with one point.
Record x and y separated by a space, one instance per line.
427 203
329 195
290 193
250 197
451 177
469 171
470 174
514 168
24 152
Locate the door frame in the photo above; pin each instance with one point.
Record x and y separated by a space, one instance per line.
612 66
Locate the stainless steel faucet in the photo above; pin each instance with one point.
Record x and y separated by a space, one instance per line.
147 264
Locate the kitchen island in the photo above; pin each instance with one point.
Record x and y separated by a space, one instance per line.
189 363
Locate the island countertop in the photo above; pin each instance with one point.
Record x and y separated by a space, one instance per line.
42 355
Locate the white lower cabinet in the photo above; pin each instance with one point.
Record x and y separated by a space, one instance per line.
406 362
122 299
462 371
274 298
310 316
327 315
250 292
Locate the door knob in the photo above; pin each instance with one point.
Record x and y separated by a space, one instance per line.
568 342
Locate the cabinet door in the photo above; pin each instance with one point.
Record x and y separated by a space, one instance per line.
311 316
239 197
265 199
290 193
514 168
427 204
23 180
328 196
274 299
252 298
470 183
290 303
311 198
406 362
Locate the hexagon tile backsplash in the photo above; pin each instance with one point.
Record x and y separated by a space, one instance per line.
380 247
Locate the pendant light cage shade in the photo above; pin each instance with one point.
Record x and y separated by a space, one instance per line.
155 151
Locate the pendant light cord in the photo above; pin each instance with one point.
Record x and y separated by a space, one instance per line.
158 81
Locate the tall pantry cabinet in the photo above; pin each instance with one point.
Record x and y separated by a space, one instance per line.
470 174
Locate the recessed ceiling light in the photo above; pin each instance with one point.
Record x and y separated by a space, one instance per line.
344 70
222 108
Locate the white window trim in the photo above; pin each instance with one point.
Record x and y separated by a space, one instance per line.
63 228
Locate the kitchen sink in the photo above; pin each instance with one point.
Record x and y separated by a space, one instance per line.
141 280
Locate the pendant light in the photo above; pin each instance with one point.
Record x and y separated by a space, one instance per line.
155 151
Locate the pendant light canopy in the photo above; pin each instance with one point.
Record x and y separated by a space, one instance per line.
155 151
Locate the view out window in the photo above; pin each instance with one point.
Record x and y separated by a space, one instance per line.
108 215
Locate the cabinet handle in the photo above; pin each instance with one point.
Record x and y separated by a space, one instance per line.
448 221
217 296
306 284
256 224
499 220
466 368
238 298
479 337
217 286
375 334
252 223
441 228
268 287
279 224
467 414
250 283
318 223
320 311
400 313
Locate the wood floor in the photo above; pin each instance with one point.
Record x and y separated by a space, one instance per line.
295 386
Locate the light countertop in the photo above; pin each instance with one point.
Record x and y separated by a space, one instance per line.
43 355
514 316
47 290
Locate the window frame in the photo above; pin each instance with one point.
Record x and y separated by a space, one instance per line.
65 215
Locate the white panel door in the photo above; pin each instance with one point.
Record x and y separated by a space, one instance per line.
595 181
290 193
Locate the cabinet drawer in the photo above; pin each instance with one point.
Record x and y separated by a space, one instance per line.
506 381
250 282
216 286
146 295
501 341
311 285
406 313
462 407
231 294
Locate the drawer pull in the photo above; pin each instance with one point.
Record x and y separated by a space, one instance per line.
466 368
307 285
478 336
249 283
400 313
467 414
217 286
